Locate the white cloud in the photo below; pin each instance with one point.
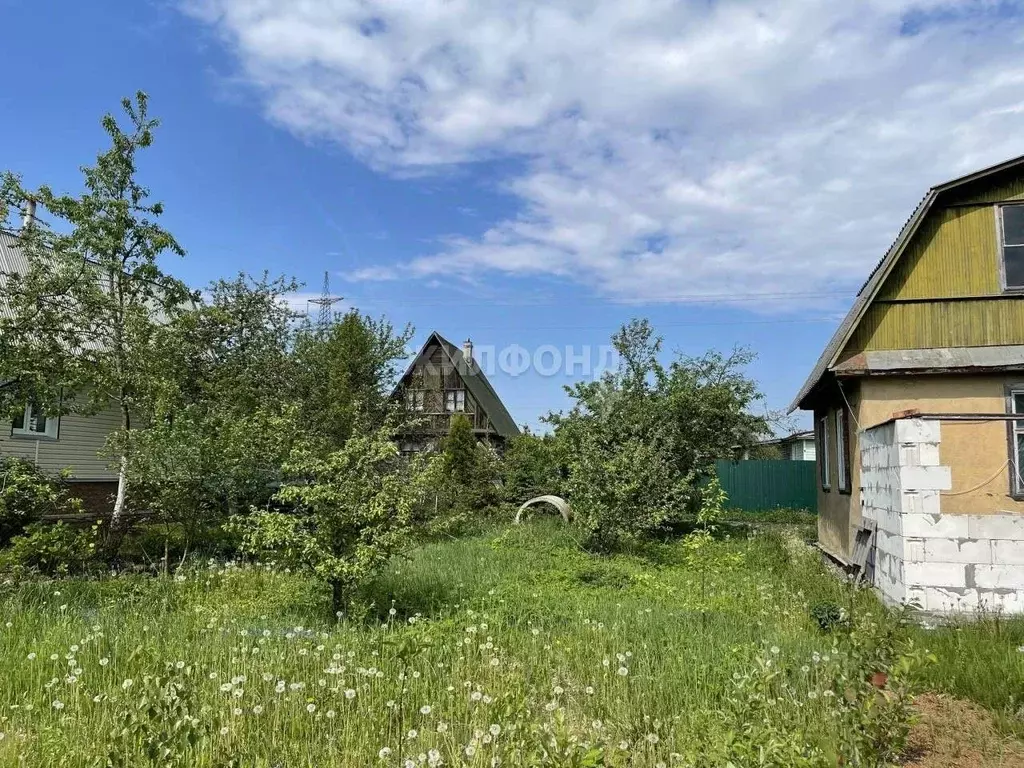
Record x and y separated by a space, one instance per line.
667 148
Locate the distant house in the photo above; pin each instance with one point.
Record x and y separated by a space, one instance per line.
444 380
935 338
796 447
70 443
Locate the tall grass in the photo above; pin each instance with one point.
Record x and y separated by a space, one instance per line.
507 648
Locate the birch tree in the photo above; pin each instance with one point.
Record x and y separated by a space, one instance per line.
80 323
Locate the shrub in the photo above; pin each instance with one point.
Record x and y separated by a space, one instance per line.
52 550
828 615
26 494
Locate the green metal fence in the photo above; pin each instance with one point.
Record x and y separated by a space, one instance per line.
770 484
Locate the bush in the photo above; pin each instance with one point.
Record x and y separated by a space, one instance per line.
26 494
531 467
52 550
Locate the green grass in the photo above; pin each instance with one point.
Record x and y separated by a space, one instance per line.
639 659
981 660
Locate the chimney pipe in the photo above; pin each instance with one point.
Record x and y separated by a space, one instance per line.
467 349
28 216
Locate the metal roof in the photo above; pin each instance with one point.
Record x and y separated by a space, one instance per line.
880 272
476 382
12 261
949 358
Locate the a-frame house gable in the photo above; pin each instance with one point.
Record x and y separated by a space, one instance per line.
946 255
439 367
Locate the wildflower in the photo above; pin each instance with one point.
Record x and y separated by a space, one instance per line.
623 671
226 687
330 714
179 665
442 727
390 703
351 694
1020 649
495 729
486 739
805 669
495 662
559 690
775 650
476 696
597 725
311 708
487 699
128 683
58 704
258 709
470 750
384 753
31 657
425 709
224 731
236 711
54 657
652 738
104 661
624 746
412 734
74 648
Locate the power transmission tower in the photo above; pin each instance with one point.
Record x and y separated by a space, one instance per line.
325 302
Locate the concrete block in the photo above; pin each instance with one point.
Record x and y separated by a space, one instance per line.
925 478
914 549
950 600
999 576
957 551
921 574
916 431
936 526
999 526
1006 552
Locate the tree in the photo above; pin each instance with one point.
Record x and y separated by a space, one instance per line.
82 319
345 374
532 465
348 512
224 418
640 441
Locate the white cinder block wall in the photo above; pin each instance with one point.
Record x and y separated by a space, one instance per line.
944 563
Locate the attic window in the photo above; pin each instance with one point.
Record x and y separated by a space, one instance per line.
1013 245
455 400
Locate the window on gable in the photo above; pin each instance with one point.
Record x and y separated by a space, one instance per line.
1013 245
32 422
822 449
1017 443
414 399
455 400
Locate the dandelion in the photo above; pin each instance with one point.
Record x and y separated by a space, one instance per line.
31 657
225 687
351 694
58 704
775 650
330 714
258 709
384 753
495 662
589 690
652 738
805 669
311 708
425 709
487 699
623 671
74 648
495 729
476 696
442 727
179 665
54 657
470 750
104 661
412 734
486 739
624 746
559 690
128 683
236 711
224 731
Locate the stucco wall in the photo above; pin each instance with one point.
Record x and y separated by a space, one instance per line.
77 448
977 452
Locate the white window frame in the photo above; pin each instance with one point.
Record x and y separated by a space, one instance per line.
414 399
455 401
29 415
1003 246
825 475
1016 459
842 470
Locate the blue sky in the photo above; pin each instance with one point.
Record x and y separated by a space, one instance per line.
535 173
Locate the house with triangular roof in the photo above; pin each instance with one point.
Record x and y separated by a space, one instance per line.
937 328
443 380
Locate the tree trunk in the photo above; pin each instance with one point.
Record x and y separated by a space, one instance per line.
337 599
117 521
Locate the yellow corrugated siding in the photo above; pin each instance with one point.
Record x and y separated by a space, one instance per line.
984 191
955 253
939 324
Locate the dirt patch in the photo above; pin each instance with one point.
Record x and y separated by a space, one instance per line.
953 733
